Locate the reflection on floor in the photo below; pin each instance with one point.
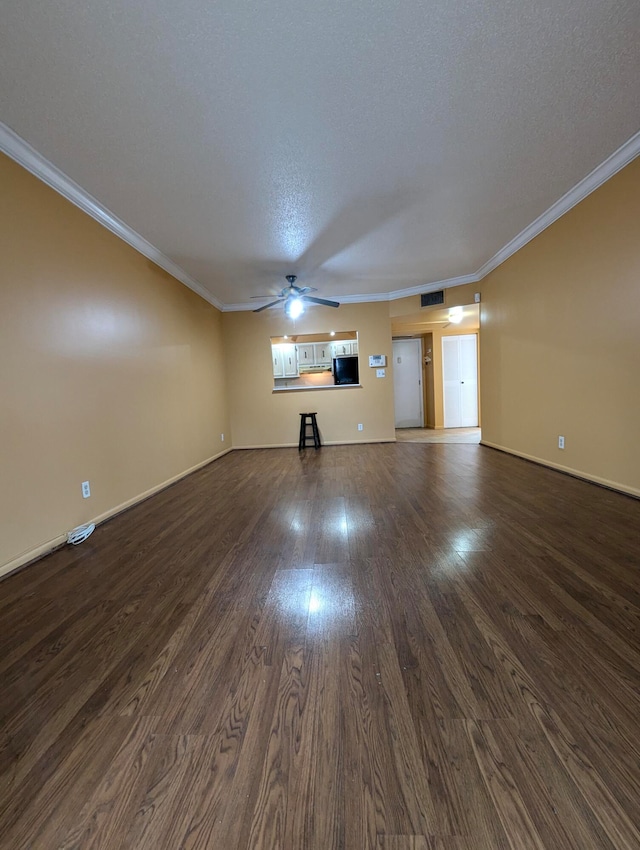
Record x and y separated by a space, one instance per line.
446 435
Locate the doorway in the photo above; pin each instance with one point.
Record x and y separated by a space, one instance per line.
407 383
460 380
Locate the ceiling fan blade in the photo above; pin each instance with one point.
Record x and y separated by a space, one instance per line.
266 306
271 295
304 289
320 301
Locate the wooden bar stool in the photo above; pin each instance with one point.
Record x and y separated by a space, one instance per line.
308 420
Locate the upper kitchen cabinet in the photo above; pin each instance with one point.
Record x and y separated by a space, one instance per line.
278 361
344 349
306 355
322 353
313 354
285 360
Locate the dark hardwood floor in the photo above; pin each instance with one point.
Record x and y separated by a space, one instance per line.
383 647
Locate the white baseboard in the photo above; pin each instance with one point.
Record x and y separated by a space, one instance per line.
45 548
33 555
269 446
568 470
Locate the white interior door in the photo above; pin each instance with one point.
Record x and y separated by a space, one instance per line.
407 383
460 379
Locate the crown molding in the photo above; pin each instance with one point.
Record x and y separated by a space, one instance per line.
600 174
359 299
238 308
15 147
433 287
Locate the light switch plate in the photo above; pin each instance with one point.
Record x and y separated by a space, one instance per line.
380 373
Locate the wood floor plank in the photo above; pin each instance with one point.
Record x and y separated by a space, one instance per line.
279 820
201 792
617 824
375 647
364 801
561 814
415 812
105 814
402 842
472 815
507 799
171 767
41 808
452 843
327 828
492 689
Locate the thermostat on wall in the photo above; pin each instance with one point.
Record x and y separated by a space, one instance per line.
377 360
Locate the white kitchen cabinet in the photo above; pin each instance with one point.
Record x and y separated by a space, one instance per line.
314 354
306 355
354 346
285 361
290 357
322 353
341 349
278 361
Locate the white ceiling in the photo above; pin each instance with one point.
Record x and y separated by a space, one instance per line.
370 146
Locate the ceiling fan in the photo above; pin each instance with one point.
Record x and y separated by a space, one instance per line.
293 297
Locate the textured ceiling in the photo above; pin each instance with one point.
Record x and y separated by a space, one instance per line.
369 146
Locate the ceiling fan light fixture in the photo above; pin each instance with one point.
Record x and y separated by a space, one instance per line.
294 299
294 308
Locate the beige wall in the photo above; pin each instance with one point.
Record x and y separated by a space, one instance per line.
110 370
263 418
560 346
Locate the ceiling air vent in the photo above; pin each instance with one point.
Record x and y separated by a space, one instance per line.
432 299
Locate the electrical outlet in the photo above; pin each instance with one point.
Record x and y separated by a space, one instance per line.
560 442
222 438
360 426
86 490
